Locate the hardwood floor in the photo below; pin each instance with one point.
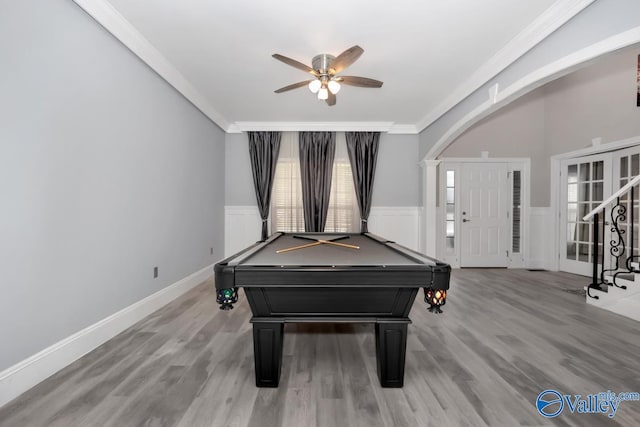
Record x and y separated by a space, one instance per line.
505 336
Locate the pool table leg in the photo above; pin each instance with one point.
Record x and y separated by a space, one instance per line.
267 352
391 348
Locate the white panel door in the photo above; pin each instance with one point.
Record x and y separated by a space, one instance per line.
484 222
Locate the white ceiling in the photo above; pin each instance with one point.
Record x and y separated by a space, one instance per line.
429 54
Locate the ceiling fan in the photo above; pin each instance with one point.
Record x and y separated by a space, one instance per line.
325 70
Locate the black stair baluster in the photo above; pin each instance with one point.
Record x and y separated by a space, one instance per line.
594 279
617 249
632 230
604 221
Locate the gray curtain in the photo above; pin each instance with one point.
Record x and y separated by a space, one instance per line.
264 148
363 155
317 150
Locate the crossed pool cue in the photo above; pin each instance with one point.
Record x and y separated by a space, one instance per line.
317 242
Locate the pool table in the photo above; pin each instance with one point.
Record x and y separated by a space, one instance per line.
328 278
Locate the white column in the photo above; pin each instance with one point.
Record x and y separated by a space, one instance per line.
428 238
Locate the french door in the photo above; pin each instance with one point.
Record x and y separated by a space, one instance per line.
586 182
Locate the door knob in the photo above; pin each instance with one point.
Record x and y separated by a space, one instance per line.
466 220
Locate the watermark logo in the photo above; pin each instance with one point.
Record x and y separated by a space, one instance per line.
550 403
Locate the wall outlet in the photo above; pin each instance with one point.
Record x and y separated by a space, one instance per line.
155 272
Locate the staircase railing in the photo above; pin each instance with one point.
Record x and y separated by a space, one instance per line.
617 247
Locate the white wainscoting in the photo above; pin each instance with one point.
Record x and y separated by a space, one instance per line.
242 228
400 224
541 239
17 379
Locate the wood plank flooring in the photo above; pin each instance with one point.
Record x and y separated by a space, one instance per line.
505 336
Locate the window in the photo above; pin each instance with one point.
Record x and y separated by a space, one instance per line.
516 210
286 198
450 219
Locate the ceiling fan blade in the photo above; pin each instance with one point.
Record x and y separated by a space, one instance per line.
346 58
294 63
359 81
331 100
293 86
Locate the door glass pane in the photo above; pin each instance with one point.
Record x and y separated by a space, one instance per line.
583 252
585 194
571 232
571 251
450 195
583 232
584 172
598 170
597 191
572 193
450 212
635 166
450 228
572 212
572 174
450 243
450 178
623 182
624 166
584 208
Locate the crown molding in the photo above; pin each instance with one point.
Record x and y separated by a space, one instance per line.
238 127
388 127
548 22
107 16
403 129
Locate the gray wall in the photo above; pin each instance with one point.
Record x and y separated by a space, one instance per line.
105 172
597 101
562 116
396 182
518 130
398 173
238 180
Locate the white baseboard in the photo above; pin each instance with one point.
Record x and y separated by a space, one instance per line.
540 238
19 378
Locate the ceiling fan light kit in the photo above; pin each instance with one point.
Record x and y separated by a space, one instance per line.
333 86
325 69
315 85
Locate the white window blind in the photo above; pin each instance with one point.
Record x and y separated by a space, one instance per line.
286 198
286 195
